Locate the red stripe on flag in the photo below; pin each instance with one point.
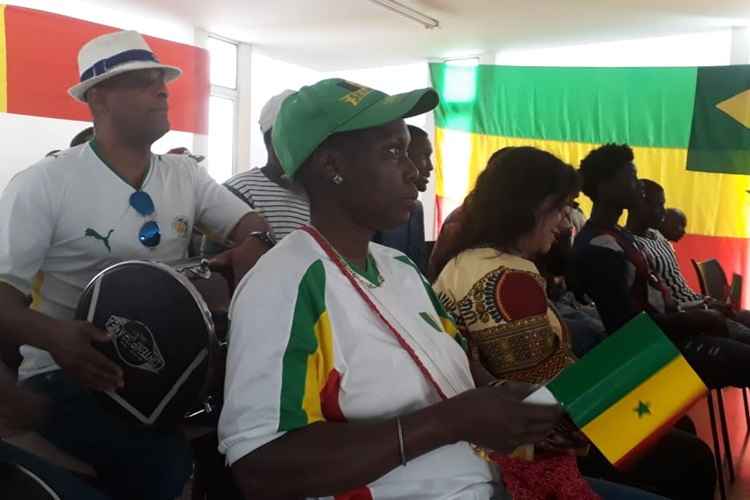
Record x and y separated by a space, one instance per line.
732 253
42 55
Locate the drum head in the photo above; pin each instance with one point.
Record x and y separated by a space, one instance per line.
162 338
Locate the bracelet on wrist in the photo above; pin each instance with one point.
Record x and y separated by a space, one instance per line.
400 431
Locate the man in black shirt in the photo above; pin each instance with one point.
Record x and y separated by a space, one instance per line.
614 273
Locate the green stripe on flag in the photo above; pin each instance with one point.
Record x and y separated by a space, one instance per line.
638 106
613 369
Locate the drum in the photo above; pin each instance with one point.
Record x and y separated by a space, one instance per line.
164 336
18 482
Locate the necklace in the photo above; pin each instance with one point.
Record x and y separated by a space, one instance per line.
378 278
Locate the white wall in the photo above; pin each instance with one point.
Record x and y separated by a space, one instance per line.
270 77
120 14
700 49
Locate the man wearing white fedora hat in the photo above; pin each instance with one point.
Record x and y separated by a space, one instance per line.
66 218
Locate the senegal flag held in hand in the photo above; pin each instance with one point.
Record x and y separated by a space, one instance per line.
689 129
628 390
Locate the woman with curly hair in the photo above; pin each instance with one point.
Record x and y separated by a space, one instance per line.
519 206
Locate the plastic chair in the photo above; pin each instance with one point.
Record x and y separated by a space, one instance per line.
735 291
712 279
713 283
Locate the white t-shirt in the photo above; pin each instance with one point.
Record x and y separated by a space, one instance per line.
65 219
304 347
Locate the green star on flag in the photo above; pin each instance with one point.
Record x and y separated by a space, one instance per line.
642 409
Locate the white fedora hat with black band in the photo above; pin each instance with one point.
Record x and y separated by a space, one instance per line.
113 54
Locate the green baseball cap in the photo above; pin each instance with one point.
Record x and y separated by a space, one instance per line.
308 117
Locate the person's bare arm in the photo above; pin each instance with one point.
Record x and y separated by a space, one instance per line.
246 250
326 459
250 222
19 324
69 342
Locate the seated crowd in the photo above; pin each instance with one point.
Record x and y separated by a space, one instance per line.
349 373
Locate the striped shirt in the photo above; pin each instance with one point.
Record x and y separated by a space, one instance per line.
663 261
284 210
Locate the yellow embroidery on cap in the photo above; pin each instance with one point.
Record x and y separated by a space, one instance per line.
354 98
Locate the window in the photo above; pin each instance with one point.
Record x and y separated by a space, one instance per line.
222 111
223 63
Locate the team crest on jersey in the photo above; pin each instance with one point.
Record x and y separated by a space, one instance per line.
181 226
135 344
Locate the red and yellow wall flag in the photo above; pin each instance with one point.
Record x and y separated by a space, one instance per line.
39 62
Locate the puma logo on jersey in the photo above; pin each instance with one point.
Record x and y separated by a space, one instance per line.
92 233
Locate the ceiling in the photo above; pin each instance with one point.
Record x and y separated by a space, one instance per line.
336 34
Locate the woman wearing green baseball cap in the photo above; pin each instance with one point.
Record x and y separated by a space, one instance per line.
345 377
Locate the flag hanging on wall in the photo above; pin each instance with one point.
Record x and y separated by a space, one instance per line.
689 129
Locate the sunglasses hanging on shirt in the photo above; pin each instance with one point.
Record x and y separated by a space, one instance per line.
149 234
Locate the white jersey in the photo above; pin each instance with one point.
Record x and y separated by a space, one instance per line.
65 219
304 347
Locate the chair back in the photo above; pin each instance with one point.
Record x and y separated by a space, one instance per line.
712 279
735 291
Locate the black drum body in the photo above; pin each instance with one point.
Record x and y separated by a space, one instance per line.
163 337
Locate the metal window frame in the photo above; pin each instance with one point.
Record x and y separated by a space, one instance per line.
231 94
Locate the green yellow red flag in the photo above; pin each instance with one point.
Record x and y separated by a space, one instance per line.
628 390
688 128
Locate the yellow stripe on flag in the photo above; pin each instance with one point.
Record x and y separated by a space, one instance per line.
647 408
319 365
716 204
3 64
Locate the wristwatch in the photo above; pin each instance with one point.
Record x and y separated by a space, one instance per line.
263 236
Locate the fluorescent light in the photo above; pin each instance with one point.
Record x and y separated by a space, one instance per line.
406 11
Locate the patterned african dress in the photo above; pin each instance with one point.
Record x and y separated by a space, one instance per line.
500 305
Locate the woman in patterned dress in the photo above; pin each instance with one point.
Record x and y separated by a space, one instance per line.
490 284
